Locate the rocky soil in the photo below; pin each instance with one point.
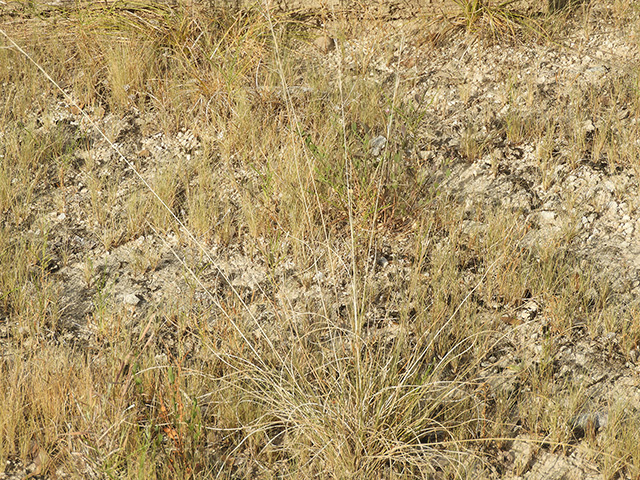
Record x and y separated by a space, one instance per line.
462 88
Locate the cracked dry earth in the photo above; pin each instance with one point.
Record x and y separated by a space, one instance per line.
587 206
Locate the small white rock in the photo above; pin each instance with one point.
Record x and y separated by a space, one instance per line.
131 299
376 145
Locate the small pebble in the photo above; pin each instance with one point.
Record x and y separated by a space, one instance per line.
325 43
377 144
131 299
382 262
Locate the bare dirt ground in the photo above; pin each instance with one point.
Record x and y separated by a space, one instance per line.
570 195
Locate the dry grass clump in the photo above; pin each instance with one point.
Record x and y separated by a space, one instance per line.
367 379
498 19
